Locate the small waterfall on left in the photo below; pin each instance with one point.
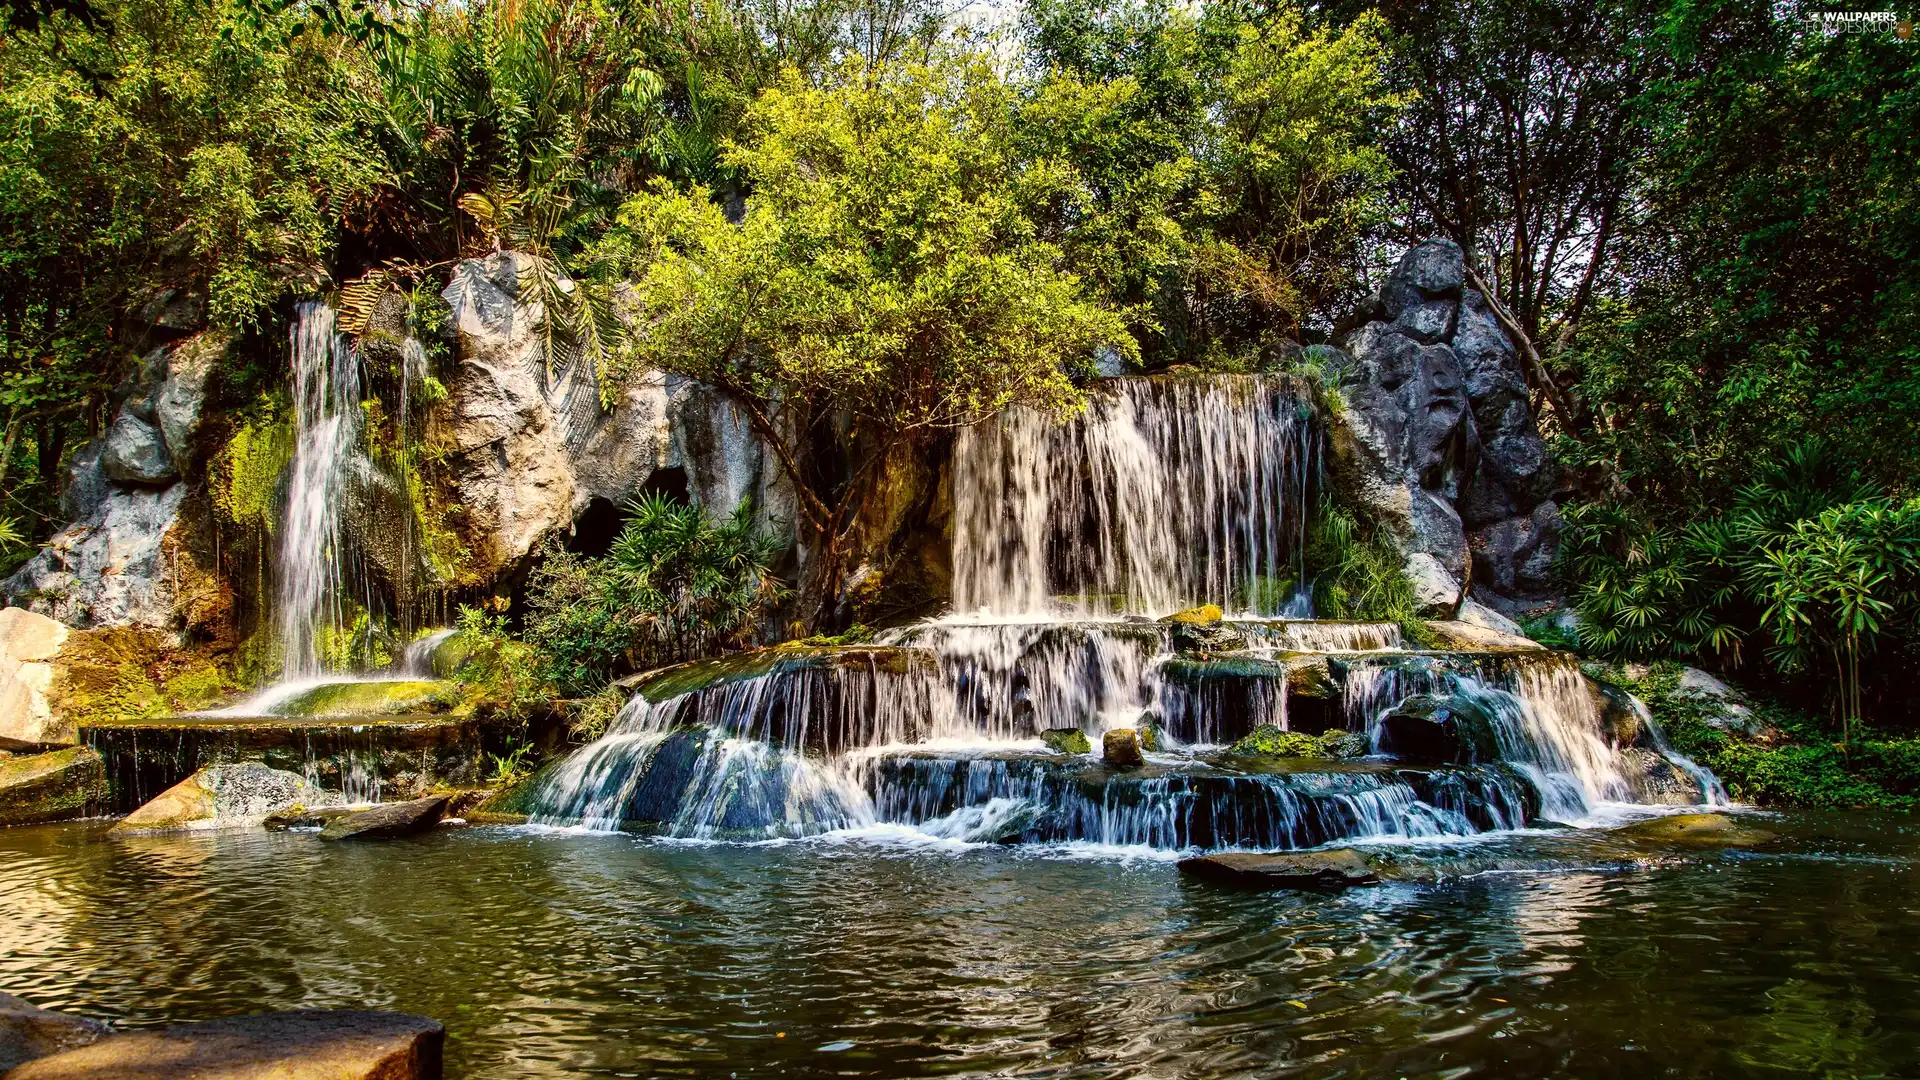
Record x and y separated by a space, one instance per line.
326 397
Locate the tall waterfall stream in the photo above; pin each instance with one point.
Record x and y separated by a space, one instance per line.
1070 538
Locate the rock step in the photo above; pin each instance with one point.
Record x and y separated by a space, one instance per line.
55 786
388 820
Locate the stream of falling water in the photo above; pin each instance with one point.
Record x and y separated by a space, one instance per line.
326 398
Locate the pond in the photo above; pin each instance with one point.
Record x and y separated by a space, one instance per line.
551 953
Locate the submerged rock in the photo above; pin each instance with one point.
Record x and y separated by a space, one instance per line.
1066 741
388 820
241 795
1121 748
28 1032
28 643
308 1044
1319 870
1695 830
53 786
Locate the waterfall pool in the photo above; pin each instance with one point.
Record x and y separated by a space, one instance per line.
562 953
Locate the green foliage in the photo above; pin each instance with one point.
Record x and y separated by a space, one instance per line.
589 717
674 587
1820 571
1794 763
1210 168
1356 572
501 673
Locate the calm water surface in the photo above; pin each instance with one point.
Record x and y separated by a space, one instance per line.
564 954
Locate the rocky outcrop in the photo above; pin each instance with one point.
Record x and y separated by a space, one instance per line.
28 1032
388 820
307 1044
54 786
1438 441
132 556
534 448
234 796
28 643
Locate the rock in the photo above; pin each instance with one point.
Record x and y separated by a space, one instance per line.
1268 740
725 462
1476 636
28 1032
1439 443
1204 615
1438 728
510 461
375 698
388 820
87 484
300 1045
1204 641
1656 780
1066 741
136 453
1121 748
54 786
178 400
1436 592
1153 736
28 643
1695 830
1723 705
301 816
173 310
113 569
635 442
1476 614
1341 868
241 795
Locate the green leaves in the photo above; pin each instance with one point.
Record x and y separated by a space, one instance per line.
674 586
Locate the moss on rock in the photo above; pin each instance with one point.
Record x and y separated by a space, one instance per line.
385 698
54 786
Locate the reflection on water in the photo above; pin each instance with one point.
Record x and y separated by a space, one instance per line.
567 954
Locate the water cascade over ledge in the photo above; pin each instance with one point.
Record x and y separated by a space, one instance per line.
1072 540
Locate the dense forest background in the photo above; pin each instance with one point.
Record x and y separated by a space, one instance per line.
1699 218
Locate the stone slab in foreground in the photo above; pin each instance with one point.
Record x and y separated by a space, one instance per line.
28 1031
388 820
1321 870
301 1045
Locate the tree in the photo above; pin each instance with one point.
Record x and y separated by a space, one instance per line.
885 276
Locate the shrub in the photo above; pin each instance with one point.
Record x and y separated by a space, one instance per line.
675 586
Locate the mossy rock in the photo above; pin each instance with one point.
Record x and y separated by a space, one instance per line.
1067 741
698 675
398 698
1268 740
518 799
106 675
54 786
1204 615
1695 830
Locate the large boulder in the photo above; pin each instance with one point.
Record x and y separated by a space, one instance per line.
308 1044
510 463
54 786
28 643
1438 442
28 1032
133 556
1121 748
534 448
241 795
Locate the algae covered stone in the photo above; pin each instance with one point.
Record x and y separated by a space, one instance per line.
1696 830
402 697
54 786
1204 615
1066 741
1121 748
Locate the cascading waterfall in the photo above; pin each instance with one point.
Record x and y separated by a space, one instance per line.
326 398
1069 538
1167 492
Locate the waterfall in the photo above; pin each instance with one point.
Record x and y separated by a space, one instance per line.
326 398
1068 537
1166 493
